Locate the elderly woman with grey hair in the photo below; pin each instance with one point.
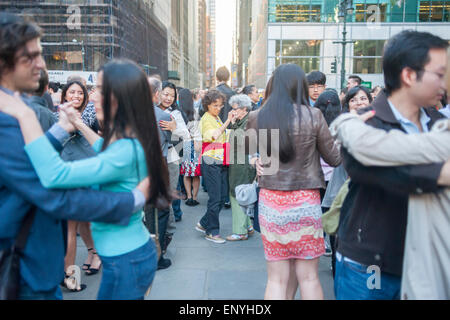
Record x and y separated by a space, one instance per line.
240 171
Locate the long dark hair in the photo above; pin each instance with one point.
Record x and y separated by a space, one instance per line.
167 84
353 92
187 103
328 102
127 82
288 87
85 93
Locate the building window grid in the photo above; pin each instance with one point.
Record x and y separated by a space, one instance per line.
319 11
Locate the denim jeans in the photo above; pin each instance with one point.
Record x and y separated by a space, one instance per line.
217 185
163 220
176 204
128 276
352 282
26 293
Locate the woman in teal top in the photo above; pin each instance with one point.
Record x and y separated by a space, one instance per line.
123 105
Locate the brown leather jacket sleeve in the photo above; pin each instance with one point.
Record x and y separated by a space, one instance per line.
328 149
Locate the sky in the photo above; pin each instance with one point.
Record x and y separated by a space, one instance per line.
225 25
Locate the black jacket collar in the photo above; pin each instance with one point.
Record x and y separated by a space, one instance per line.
384 112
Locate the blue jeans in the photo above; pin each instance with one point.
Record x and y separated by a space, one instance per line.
352 282
26 293
176 204
128 276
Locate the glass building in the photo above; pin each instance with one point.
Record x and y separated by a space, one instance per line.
303 31
82 35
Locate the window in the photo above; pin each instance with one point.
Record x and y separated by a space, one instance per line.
307 64
434 11
294 11
371 11
368 48
297 48
367 56
367 65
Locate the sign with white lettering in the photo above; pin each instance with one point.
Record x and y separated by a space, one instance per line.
61 76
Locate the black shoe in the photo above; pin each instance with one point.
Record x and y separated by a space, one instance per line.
164 263
195 203
227 205
189 202
177 219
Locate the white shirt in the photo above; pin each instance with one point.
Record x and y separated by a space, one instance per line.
181 132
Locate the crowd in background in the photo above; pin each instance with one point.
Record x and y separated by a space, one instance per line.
331 194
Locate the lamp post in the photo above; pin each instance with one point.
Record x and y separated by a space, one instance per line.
345 7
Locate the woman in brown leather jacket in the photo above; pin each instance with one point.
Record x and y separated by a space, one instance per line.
290 178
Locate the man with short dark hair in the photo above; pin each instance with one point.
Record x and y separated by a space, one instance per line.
42 260
252 92
372 228
353 81
316 85
223 76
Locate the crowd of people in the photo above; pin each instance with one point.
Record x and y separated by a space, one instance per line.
112 163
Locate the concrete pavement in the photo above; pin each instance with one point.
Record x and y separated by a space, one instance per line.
203 270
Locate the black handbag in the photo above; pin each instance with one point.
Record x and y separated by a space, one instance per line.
10 261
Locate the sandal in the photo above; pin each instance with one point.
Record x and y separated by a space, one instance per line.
237 237
92 271
86 266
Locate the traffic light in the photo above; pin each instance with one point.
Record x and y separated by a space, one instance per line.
334 67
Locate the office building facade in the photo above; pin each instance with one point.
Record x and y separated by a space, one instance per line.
303 31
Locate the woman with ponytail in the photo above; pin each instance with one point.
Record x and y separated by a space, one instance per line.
128 152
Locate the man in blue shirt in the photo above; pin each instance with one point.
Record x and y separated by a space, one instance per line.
42 262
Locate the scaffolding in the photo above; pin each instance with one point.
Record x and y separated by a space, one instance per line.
82 35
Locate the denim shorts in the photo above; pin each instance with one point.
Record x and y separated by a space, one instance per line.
353 281
128 276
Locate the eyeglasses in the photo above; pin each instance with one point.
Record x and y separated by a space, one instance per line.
440 75
28 58
316 86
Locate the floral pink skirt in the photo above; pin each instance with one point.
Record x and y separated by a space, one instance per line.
291 224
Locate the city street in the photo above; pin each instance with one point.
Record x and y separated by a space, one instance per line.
202 270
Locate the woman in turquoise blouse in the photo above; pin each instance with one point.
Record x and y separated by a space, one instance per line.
127 153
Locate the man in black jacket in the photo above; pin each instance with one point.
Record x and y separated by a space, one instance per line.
371 236
222 76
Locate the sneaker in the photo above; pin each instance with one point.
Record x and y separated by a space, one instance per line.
164 263
237 237
189 202
250 231
199 227
215 239
195 203
227 205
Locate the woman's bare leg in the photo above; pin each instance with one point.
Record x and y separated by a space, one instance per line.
308 278
195 187
293 282
84 228
69 260
277 280
187 185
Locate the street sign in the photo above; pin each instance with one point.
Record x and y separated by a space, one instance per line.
367 84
